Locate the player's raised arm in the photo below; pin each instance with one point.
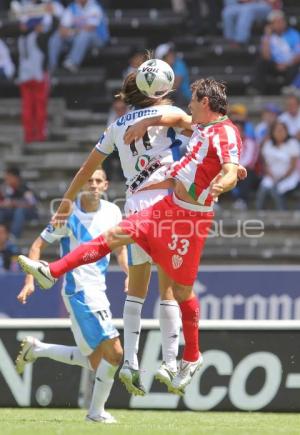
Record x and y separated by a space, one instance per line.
34 254
137 131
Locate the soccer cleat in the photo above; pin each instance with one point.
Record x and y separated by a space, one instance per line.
25 355
131 379
39 269
105 418
185 373
165 375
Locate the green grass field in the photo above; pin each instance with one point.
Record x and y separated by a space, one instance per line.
71 422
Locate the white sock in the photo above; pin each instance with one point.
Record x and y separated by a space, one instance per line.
104 380
132 328
65 354
169 321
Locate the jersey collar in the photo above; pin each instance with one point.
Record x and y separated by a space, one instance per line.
221 119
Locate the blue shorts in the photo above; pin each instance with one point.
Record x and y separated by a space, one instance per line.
91 320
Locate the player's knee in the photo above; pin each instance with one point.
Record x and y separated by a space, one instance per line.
115 354
116 357
167 294
182 293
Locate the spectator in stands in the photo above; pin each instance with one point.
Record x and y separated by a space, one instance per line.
167 53
291 117
135 60
280 52
269 114
27 11
33 77
179 6
281 155
248 159
83 26
239 16
8 251
239 112
118 108
7 67
17 202
203 16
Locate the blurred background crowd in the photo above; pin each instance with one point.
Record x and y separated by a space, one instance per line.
62 62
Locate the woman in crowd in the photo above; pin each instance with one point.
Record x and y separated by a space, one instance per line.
280 154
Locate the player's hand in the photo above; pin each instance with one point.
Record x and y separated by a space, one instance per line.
62 214
26 291
216 188
135 132
242 172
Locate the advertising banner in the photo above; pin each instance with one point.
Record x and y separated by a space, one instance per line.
225 293
248 366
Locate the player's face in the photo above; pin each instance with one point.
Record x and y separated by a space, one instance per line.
96 185
198 109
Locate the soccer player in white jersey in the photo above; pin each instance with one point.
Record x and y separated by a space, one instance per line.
98 345
173 230
144 164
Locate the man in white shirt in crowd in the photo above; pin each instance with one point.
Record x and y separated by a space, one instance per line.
291 117
83 25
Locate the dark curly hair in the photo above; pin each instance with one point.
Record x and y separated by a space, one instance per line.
215 92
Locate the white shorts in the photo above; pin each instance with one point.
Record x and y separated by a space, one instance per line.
137 202
91 320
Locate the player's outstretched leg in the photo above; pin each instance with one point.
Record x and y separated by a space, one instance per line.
46 274
32 349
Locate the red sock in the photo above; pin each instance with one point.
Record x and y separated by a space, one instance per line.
190 319
84 254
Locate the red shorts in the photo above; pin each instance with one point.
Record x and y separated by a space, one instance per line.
172 235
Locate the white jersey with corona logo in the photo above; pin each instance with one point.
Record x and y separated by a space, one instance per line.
144 161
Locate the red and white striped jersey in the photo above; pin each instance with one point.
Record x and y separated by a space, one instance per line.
210 146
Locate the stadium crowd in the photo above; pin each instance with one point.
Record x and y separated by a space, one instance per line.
55 35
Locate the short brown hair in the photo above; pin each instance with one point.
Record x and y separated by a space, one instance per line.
215 92
132 96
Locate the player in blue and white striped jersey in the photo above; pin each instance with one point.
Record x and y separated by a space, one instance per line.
83 291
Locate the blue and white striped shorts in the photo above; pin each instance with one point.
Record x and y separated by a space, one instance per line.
91 320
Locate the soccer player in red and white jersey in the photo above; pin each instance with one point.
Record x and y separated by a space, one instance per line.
173 231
